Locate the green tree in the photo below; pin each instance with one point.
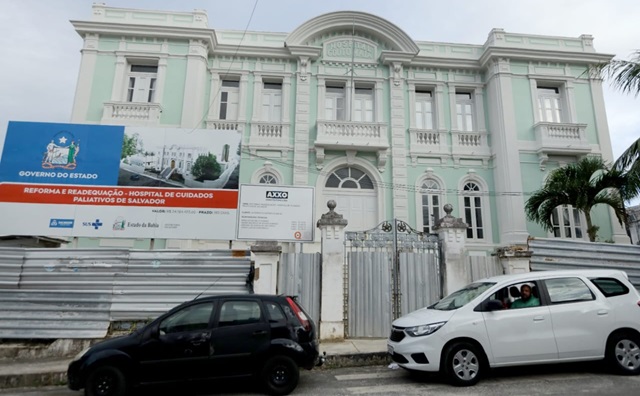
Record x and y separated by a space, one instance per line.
583 185
131 145
206 167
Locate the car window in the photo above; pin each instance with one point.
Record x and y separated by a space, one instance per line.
513 296
461 297
565 290
274 311
610 287
233 313
193 317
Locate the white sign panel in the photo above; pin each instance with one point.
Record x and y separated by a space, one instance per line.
273 212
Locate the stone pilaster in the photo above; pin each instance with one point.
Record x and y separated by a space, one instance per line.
266 259
398 143
332 227
193 108
301 134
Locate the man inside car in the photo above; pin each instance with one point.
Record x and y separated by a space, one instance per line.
527 299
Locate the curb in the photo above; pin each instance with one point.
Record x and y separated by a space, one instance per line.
356 360
55 377
30 380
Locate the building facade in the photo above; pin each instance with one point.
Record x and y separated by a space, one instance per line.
386 125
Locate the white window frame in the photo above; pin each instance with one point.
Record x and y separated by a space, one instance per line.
363 103
487 235
434 189
424 110
141 86
272 106
334 110
565 227
354 98
229 107
465 111
550 103
564 96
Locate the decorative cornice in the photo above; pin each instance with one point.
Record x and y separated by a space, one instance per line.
112 29
541 56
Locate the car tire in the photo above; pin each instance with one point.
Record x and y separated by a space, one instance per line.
623 353
106 381
280 375
463 364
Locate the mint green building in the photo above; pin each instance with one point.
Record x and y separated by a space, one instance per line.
387 125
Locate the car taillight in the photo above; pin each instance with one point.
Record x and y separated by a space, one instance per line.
300 314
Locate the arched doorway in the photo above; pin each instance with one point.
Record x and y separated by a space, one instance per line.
356 197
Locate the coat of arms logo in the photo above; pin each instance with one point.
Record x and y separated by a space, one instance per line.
61 151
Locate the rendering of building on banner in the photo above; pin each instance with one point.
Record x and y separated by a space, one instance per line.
387 125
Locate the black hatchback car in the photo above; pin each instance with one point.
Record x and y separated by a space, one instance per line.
266 337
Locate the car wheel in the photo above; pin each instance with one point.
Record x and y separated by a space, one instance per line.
280 375
106 381
623 353
463 364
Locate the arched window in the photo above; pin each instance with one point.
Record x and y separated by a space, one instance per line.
268 178
349 178
430 191
472 199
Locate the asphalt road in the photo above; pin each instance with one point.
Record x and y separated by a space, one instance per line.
380 380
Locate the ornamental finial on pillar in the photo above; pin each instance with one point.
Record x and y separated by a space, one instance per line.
332 218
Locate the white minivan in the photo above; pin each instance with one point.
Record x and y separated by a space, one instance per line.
530 318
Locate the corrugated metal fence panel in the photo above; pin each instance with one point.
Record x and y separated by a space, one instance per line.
299 274
419 281
10 267
484 267
156 281
555 254
369 304
62 293
76 293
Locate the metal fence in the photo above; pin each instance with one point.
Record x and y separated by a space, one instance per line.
299 274
484 267
556 254
77 293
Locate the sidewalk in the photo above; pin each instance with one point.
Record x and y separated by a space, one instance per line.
44 372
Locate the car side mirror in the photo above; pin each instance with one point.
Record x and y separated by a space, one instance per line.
489 306
152 331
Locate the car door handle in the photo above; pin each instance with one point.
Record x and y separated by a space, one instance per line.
538 318
259 332
603 312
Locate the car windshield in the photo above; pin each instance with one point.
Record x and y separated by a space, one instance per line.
461 297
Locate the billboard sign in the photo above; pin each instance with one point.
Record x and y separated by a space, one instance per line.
275 212
115 181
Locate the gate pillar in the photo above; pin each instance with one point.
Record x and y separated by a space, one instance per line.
267 257
331 226
452 232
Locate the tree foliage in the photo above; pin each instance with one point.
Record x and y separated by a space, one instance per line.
206 167
131 145
583 185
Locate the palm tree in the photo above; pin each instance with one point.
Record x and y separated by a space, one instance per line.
625 76
583 185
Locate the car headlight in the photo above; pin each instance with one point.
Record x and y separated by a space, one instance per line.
423 330
81 354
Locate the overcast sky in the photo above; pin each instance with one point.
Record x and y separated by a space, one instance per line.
41 51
